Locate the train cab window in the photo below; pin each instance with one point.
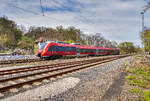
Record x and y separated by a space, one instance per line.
42 45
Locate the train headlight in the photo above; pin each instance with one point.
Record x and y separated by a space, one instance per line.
44 51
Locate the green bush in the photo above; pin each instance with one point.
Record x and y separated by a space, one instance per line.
139 82
130 77
146 95
136 90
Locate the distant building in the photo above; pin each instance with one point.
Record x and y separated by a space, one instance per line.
40 40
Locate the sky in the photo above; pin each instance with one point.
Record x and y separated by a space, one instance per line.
116 20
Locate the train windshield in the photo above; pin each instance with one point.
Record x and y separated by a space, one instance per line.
42 45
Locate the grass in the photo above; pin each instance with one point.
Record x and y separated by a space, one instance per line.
140 56
135 90
146 95
127 63
139 76
130 77
139 79
139 83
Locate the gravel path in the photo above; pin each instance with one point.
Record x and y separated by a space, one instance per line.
115 89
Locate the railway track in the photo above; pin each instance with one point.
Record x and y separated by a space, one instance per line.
39 73
5 62
17 61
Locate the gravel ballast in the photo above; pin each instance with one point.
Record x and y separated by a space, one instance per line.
91 84
10 57
96 83
45 91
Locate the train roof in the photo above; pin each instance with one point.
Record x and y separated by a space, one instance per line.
81 46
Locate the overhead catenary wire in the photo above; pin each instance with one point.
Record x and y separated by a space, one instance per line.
146 7
83 18
43 15
50 18
46 5
35 13
42 7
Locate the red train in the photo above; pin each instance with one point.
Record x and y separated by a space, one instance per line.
59 49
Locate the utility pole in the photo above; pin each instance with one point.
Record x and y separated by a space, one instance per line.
41 7
146 7
142 13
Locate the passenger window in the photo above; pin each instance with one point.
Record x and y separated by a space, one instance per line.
63 48
67 49
74 48
59 48
51 48
71 49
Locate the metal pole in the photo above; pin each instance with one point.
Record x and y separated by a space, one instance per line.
41 7
142 21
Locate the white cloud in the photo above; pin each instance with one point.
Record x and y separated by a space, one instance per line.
117 20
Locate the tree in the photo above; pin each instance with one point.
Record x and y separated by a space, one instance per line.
10 34
70 41
58 34
127 47
26 43
5 40
146 40
98 40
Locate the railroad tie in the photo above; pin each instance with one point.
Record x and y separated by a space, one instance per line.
26 86
13 90
1 94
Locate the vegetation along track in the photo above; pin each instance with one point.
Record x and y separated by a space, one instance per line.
46 72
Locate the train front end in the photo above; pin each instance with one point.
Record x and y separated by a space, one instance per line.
41 51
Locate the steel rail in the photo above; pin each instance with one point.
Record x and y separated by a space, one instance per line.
50 76
26 69
55 69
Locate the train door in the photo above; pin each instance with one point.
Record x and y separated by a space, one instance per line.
52 50
97 51
78 52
